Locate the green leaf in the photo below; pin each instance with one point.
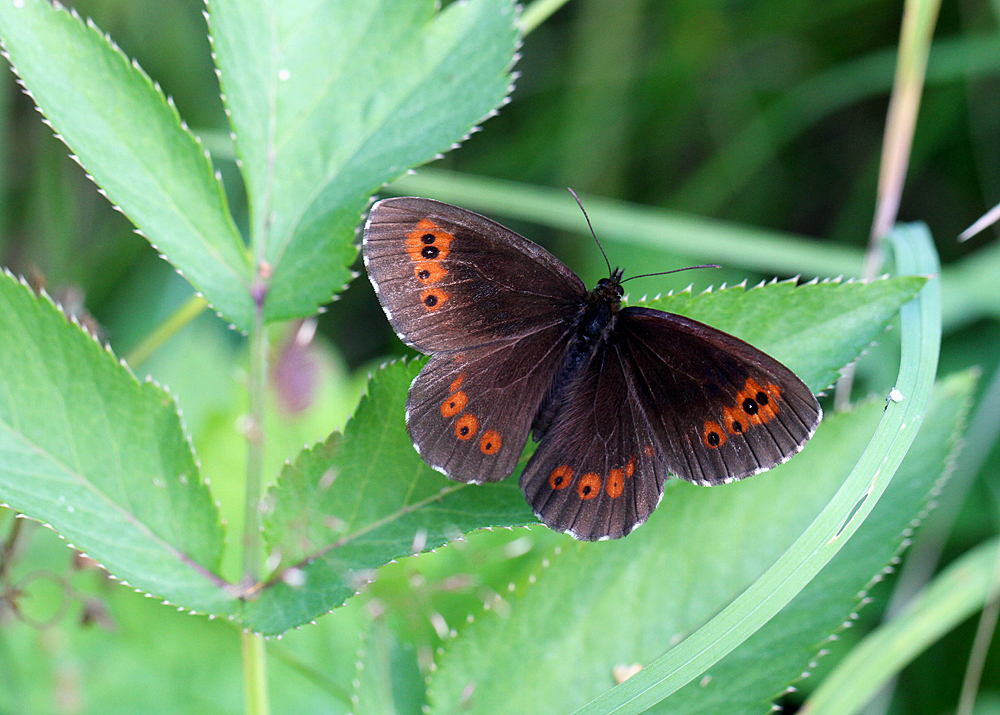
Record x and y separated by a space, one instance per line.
356 502
599 606
329 101
966 586
388 680
815 329
102 458
353 504
130 139
920 332
779 653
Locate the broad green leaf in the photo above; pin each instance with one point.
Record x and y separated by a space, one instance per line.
356 502
135 657
601 606
815 328
968 584
330 100
598 606
102 458
130 139
778 654
920 332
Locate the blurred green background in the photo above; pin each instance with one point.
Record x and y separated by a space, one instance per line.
764 113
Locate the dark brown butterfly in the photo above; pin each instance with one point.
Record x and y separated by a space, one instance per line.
617 397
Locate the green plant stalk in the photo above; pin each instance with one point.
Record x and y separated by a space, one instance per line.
254 664
187 312
255 697
538 12
632 224
951 598
254 431
981 645
920 337
919 19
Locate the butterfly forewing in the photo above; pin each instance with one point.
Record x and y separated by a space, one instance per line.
722 409
449 279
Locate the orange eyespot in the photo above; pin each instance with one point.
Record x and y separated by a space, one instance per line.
713 436
630 467
457 383
560 477
616 483
589 486
466 426
433 298
429 271
454 404
428 242
490 443
735 419
759 404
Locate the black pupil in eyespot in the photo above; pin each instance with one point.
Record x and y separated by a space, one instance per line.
427 238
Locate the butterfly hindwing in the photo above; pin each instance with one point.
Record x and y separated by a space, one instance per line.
663 394
598 472
722 409
469 412
450 279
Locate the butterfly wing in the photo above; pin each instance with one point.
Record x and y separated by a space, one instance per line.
469 412
496 311
597 472
722 409
450 279
662 394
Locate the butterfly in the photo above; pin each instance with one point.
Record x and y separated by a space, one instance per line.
617 397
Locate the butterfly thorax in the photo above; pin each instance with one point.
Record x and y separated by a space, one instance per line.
598 312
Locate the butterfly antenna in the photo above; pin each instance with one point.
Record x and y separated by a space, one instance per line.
676 270
591 227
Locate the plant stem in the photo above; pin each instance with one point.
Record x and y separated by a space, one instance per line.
254 674
255 449
191 309
538 12
254 663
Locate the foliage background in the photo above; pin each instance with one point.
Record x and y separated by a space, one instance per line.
766 113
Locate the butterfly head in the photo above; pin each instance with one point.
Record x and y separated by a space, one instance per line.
609 290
